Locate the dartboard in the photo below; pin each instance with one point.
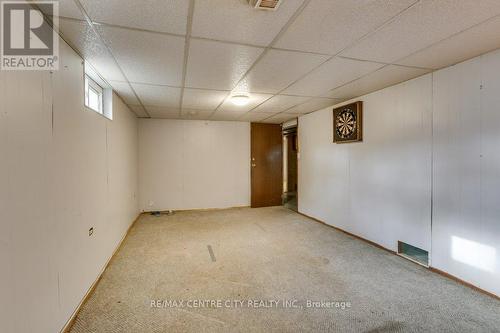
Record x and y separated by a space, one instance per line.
345 124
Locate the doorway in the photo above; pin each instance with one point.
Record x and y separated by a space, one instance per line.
290 171
266 164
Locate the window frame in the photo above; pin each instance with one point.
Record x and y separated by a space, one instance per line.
90 84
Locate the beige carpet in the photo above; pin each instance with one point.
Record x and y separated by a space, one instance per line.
258 270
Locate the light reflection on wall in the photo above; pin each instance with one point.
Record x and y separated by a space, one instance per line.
474 254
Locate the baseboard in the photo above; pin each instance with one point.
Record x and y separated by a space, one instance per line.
348 233
435 270
71 320
194 209
465 283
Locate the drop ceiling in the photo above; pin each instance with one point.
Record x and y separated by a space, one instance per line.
183 59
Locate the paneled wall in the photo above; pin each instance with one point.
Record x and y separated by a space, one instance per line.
379 189
189 164
466 197
63 170
427 171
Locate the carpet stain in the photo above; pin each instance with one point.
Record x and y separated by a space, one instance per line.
388 327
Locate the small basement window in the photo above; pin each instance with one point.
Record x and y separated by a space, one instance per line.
93 95
413 253
98 93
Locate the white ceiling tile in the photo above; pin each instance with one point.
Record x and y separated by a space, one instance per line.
277 69
422 25
280 118
327 26
166 116
255 99
195 111
80 35
158 15
255 116
138 110
67 8
331 74
479 40
202 99
146 57
236 20
196 115
123 89
215 65
380 79
226 116
152 95
313 105
163 112
279 103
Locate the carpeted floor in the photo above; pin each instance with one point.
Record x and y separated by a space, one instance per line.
257 270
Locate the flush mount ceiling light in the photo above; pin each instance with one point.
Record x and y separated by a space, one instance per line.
240 100
265 4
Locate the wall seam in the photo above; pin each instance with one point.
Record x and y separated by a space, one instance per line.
481 89
432 171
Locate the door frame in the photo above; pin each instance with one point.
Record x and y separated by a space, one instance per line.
298 158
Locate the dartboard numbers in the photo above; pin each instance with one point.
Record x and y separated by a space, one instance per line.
347 123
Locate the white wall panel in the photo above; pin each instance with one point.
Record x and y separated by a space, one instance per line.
188 164
490 173
323 171
64 169
161 177
27 212
79 164
123 177
466 232
432 139
380 188
5 236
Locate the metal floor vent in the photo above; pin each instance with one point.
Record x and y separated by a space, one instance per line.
413 253
158 213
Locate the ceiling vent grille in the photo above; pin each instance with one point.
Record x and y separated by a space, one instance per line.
265 4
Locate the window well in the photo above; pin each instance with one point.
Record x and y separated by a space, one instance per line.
413 253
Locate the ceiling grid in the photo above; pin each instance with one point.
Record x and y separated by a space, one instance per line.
353 43
275 39
334 50
189 27
89 22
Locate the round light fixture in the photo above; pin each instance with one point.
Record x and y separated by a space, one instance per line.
240 100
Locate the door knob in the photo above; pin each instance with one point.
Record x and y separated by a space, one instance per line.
254 165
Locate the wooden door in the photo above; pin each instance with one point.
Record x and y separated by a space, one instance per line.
266 165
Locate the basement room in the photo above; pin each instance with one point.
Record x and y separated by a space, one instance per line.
249 166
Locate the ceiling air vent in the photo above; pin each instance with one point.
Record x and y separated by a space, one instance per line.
265 4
